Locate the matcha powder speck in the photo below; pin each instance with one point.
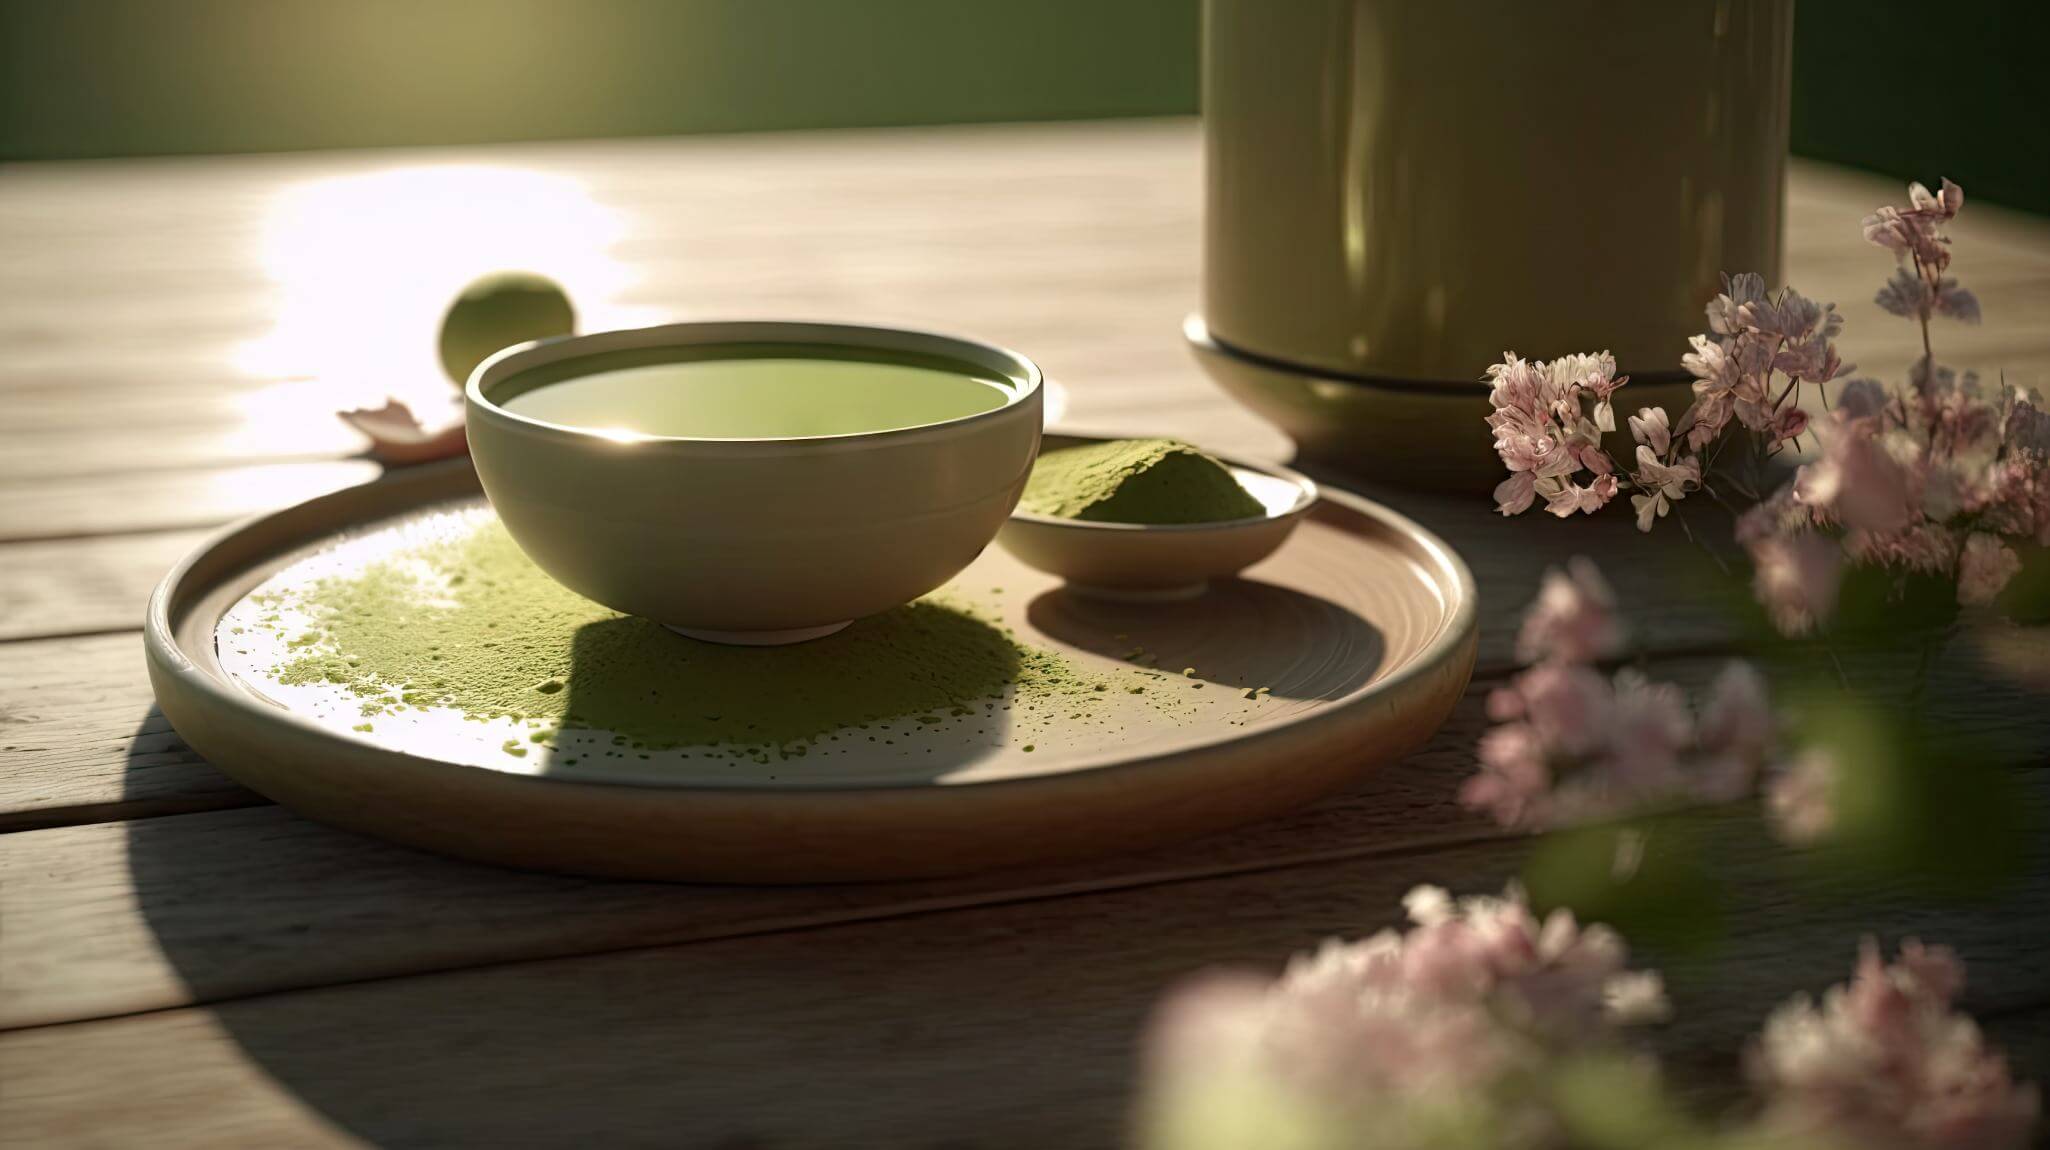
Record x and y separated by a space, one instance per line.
471 624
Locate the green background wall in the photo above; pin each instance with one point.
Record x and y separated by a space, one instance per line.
1899 86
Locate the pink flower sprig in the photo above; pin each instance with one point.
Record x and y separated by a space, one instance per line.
1944 478
1571 745
1548 421
1885 1062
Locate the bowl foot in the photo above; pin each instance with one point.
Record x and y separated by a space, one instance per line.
1178 594
760 638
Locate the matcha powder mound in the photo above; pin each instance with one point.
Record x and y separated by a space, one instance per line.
471 624
1136 481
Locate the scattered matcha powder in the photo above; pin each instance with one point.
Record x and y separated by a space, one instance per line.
1136 481
471 624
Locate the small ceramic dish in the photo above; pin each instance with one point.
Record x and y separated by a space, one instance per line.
1160 561
752 540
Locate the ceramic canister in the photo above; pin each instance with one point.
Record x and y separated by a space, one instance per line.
1398 192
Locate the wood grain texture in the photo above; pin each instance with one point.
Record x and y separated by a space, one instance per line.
81 741
84 586
1007 1026
163 912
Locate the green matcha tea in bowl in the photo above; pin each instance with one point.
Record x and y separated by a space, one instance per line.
754 482
1150 518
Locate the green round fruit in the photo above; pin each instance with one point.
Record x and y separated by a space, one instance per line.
498 311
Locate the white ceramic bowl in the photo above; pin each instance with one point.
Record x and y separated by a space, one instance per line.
752 540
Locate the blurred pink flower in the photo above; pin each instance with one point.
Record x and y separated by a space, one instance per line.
1571 746
1738 735
1796 577
1792 317
1856 482
1984 568
1905 294
1862 399
1568 707
1573 618
1885 1062
1800 800
1649 729
1391 1033
1916 232
1725 309
1923 547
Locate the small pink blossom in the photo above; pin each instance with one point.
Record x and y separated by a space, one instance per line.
1569 498
1515 494
1791 422
1885 1062
1984 568
1662 484
1651 428
1706 419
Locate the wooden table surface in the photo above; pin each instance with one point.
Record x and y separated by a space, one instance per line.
184 965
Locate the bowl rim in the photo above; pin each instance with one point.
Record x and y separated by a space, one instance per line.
1307 494
522 357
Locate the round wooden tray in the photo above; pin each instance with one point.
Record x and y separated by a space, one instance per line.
1362 627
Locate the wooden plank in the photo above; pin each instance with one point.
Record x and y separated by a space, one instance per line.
105 505
80 740
992 1027
116 918
82 586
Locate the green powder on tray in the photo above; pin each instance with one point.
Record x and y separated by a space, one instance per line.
1136 481
471 624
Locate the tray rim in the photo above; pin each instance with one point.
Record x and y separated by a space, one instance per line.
1458 630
